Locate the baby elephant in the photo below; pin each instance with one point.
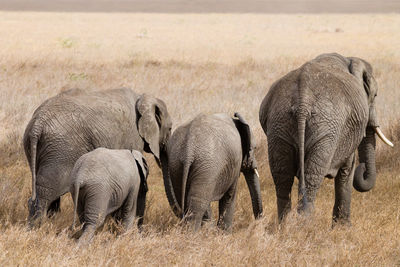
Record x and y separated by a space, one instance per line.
108 181
203 163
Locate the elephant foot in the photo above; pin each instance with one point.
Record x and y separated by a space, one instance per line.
305 207
340 221
88 232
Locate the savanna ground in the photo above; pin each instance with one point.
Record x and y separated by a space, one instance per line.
195 63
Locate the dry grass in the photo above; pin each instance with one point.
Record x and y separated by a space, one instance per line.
195 63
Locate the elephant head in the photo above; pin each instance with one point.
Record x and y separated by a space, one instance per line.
154 124
365 174
249 164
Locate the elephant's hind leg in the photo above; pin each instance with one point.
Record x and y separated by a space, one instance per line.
88 231
316 166
128 210
197 207
343 188
282 159
226 208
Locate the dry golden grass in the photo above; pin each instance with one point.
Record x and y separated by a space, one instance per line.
195 63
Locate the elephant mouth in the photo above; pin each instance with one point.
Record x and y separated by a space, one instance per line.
380 134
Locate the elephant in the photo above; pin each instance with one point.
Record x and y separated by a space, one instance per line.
203 162
108 181
315 119
74 122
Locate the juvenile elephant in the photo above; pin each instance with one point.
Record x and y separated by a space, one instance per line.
108 181
203 163
315 118
75 122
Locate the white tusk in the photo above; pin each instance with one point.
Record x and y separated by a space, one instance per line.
258 176
383 137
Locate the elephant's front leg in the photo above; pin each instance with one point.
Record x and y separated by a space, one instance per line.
226 208
343 188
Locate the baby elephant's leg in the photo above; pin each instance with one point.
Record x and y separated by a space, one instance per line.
128 210
226 208
94 214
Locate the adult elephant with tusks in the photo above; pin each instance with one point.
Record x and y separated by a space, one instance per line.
203 163
75 122
315 118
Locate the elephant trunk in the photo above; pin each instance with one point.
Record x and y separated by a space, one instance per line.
365 174
169 190
253 183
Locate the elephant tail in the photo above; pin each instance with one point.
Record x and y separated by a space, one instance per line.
33 140
185 175
301 127
76 194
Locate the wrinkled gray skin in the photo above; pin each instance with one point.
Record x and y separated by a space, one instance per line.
75 122
203 164
315 118
108 181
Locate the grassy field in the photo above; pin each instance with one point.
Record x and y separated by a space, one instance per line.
196 63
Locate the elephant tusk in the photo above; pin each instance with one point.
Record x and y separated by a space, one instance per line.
258 175
383 137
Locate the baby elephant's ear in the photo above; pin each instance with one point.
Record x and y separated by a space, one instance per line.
142 167
245 134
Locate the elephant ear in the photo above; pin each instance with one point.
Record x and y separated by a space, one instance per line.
245 135
149 123
142 167
363 73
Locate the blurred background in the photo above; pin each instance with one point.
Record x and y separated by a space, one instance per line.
205 6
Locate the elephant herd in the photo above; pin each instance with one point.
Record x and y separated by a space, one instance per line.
315 118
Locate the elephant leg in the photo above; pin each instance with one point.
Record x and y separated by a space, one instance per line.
197 207
141 206
313 182
37 212
282 159
88 231
226 208
95 203
343 188
316 165
54 207
128 210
